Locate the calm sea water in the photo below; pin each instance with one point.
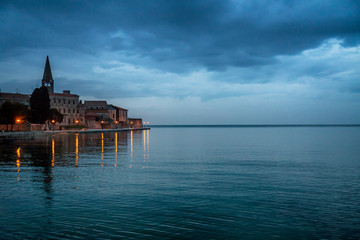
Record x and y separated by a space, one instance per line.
183 183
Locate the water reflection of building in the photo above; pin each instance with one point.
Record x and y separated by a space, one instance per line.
139 148
48 151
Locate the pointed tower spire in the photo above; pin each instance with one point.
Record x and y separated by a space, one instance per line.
48 80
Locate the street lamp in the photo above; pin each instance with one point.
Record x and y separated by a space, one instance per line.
76 121
53 123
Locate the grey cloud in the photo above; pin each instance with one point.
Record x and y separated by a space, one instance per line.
211 34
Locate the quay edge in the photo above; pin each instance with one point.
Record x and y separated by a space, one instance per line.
37 133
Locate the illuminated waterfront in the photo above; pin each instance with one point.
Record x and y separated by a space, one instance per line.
188 183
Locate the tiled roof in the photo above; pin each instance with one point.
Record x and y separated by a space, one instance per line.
95 103
63 95
14 95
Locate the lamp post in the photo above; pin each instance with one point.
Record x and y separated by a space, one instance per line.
53 123
18 121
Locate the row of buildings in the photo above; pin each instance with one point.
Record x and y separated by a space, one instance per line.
93 114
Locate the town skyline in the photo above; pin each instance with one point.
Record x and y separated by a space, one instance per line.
202 62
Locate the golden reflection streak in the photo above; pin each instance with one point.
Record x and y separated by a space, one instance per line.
148 143
102 149
144 133
116 148
52 151
131 147
76 149
18 153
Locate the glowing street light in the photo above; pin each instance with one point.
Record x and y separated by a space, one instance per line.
53 121
18 120
76 121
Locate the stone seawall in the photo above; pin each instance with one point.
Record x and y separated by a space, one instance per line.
37 133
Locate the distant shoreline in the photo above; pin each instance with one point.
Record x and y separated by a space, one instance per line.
253 125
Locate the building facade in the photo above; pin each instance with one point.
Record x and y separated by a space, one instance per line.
94 114
69 106
15 98
105 115
135 123
66 103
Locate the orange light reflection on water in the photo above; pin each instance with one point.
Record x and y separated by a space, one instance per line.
102 149
131 147
76 149
144 133
18 163
148 142
116 148
52 151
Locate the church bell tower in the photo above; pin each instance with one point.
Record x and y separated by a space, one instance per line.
48 80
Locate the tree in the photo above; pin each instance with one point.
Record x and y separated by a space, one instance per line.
39 105
7 114
54 114
10 112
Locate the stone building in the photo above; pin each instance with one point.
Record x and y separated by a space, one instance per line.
94 114
103 115
15 98
97 114
135 122
119 115
66 103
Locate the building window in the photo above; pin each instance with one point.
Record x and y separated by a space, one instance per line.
54 100
73 110
59 100
69 110
64 100
73 101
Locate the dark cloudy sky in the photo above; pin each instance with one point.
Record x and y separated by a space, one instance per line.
192 62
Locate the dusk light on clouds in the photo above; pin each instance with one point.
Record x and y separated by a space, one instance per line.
192 62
